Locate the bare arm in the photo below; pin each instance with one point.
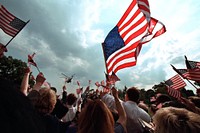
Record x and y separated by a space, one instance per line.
120 109
25 82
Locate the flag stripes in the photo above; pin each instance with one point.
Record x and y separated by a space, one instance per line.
174 93
10 24
124 42
175 82
130 28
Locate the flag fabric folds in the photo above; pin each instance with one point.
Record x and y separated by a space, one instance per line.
10 24
174 93
31 61
191 64
175 82
191 74
124 42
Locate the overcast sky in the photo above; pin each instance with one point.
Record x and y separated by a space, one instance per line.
66 36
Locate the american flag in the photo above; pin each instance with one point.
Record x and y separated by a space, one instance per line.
124 42
31 61
191 64
175 82
174 93
10 24
191 74
114 78
97 84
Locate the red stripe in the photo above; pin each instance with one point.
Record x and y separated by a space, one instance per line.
130 55
131 6
125 65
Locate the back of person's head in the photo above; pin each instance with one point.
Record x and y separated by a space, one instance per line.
176 120
71 99
95 117
16 112
195 100
162 98
54 89
133 94
46 101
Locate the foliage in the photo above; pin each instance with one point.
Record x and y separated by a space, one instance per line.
12 69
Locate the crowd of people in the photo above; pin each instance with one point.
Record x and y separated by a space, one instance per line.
40 110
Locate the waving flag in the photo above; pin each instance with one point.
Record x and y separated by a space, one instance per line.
191 74
31 61
174 93
191 64
124 42
10 24
175 82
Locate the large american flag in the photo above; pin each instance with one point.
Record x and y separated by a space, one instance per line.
124 42
10 24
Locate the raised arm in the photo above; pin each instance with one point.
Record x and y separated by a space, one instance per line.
25 81
119 108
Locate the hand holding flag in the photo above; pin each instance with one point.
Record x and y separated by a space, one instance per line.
2 50
40 78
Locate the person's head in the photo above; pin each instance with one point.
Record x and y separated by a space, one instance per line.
176 120
71 99
162 98
47 100
95 117
16 112
54 89
132 94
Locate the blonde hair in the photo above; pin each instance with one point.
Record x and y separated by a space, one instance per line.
95 118
46 101
176 120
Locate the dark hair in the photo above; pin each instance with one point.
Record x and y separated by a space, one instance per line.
133 94
16 112
71 99
54 89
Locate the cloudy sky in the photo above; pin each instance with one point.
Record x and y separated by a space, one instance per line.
66 36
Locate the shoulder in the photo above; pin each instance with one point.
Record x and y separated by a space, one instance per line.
118 128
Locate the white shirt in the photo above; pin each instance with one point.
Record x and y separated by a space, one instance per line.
134 112
70 114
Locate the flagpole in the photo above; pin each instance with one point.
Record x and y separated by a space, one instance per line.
38 69
104 57
16 34
183 77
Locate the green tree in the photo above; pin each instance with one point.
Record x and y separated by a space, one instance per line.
12 69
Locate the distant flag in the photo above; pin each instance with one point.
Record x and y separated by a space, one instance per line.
114 77
124 42
89 82
31 61
87 89
191 64
175 82
191 74
10 24
78 83
102 82
97 84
